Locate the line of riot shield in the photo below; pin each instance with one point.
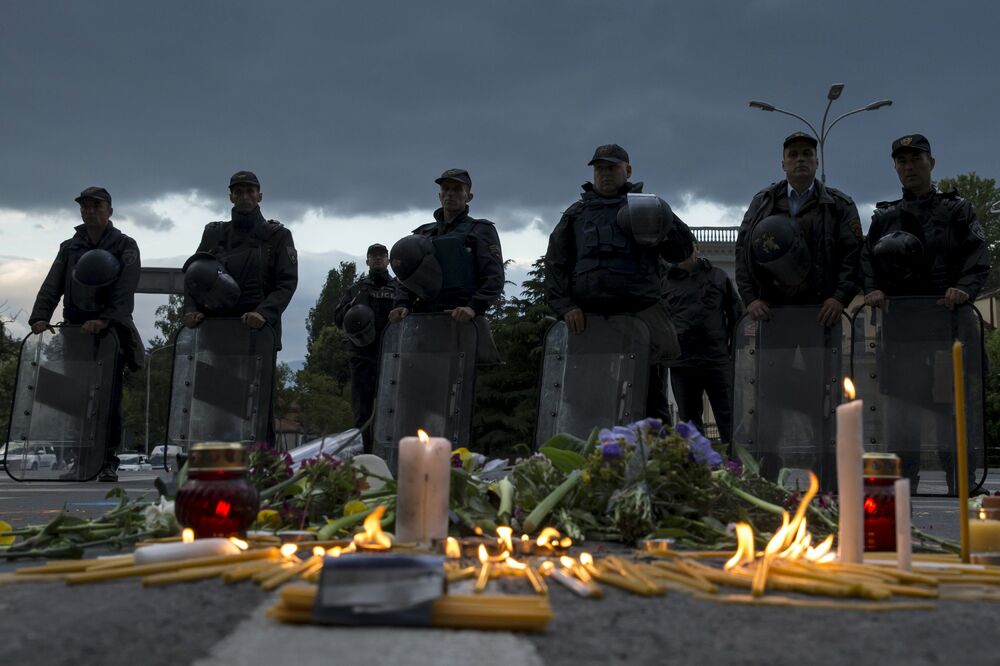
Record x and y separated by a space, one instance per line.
221 384
902 365
599 377
427 378
59 422
787 375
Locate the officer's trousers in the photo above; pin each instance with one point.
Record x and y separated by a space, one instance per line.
364 380
691 383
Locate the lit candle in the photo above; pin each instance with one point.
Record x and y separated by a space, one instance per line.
422 489
984 534
850 541
904 549
186 549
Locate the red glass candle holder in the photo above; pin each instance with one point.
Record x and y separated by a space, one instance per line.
880 473
217 500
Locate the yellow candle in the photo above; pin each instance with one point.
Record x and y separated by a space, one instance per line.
984 535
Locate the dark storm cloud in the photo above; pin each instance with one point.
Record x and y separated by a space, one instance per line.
356 107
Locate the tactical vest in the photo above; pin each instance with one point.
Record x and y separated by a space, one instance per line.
455 253
934 227
609 264
81 302
249 258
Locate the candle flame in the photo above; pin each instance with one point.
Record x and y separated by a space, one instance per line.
504 533
239 543
849 388
982 513
319 551
586 559
335 551
744 547
565 542
514 564
373 538
525 538
567 561
477 530
547 536
452 549
546 567
187 535
288 549
423 436
483 555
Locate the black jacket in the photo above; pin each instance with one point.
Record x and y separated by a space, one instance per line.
118 301
592 264
704 308
834 237
955 250
379 292
261 257
471 261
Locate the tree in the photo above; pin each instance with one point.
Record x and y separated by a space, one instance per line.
9 352
983 194
337 282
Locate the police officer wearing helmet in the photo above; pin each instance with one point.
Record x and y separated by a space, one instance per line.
454 264
96 273
255 254
363 313
807 247
597 262
928 243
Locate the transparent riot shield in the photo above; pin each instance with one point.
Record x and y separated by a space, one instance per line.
63 394
902 364
599 377
221 384
427 377
787 375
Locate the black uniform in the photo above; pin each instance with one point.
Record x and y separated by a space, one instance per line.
117 302
592 264
704 308
830 224
261 257
377 290
955 255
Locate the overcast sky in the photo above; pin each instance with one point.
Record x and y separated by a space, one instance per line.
348 111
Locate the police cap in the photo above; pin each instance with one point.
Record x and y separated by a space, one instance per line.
377 248
98 193
610 152
917 142
244 178
460 175
800 136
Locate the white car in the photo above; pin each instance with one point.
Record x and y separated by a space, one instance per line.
133 462
20 456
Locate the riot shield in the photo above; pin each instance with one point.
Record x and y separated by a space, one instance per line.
221 383
427 378
597 378
902 364
787 376
62 404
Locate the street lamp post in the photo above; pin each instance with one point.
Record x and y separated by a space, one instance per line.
149 373
824 131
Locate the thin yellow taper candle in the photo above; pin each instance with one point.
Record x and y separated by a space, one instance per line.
961 447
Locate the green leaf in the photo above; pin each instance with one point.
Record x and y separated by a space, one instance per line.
565 461
565 441
746 459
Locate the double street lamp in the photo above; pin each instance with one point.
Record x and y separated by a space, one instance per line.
824 131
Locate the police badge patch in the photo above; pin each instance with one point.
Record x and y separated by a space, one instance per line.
855 226
976 229
129 256
495 251
293 256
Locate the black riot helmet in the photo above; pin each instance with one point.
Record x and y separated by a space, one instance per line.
359 325
96 268
413 261
779 249
897 257
645 217
208 283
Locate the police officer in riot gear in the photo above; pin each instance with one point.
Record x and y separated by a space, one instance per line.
96 273
828 237
595 266
256 254
928 243
363 313
460 271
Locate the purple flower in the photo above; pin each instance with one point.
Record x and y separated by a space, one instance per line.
611 451
648 426
617 435
703 453
686 430
456 460
734 467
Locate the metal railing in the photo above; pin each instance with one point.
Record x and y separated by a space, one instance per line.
715 234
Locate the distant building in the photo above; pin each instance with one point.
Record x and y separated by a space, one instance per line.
718 245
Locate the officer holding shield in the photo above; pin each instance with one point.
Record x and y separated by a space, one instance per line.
363 313
96 273
599 262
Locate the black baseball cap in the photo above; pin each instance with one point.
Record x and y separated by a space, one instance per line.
461 175
98 193
377 248
800 136
917 142
610 152
244 178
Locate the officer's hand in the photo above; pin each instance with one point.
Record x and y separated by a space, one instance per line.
953 297
94 325
759 310
396 315
253 319
192 319
830 311
875 299
39 327
463 313
575 321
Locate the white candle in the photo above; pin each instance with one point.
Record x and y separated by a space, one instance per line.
169 552
422 489
904 549
850 468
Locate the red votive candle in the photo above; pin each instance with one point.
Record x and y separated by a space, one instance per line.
880 473
217 500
